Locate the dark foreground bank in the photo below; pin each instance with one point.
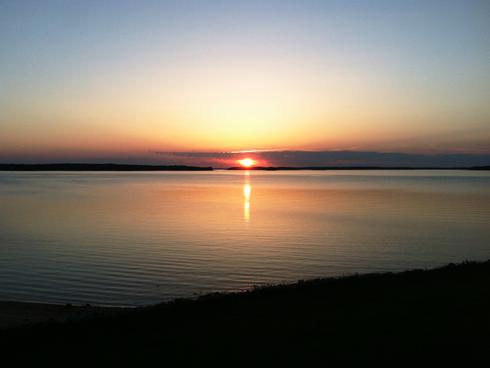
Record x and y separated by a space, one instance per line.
415 316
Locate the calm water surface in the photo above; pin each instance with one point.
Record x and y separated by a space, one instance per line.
140 238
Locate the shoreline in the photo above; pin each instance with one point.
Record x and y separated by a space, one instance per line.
107 167
357 168
21 314
437 315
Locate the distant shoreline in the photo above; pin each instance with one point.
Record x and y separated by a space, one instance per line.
99 167
129 167
326 168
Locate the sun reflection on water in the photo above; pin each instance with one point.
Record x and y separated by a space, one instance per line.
247 191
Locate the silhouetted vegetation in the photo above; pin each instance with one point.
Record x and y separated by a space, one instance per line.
414 316
99 167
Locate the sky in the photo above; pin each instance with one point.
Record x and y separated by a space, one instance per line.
127 80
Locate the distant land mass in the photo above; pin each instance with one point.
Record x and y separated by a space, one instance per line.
99 167
130 167
285 168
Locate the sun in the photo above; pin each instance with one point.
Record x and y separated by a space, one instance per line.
246 162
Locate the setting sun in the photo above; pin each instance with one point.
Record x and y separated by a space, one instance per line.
247 162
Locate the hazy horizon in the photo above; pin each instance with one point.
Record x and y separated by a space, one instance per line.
274 158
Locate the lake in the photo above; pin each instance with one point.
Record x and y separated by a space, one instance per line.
132 239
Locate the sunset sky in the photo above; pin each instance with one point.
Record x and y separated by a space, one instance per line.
124 80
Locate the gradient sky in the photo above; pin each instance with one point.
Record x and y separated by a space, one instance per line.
97 79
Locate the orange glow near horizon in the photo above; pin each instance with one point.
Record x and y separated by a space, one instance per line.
247 162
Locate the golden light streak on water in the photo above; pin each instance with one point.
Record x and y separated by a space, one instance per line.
247 191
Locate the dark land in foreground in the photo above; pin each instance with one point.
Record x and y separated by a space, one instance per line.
416 316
